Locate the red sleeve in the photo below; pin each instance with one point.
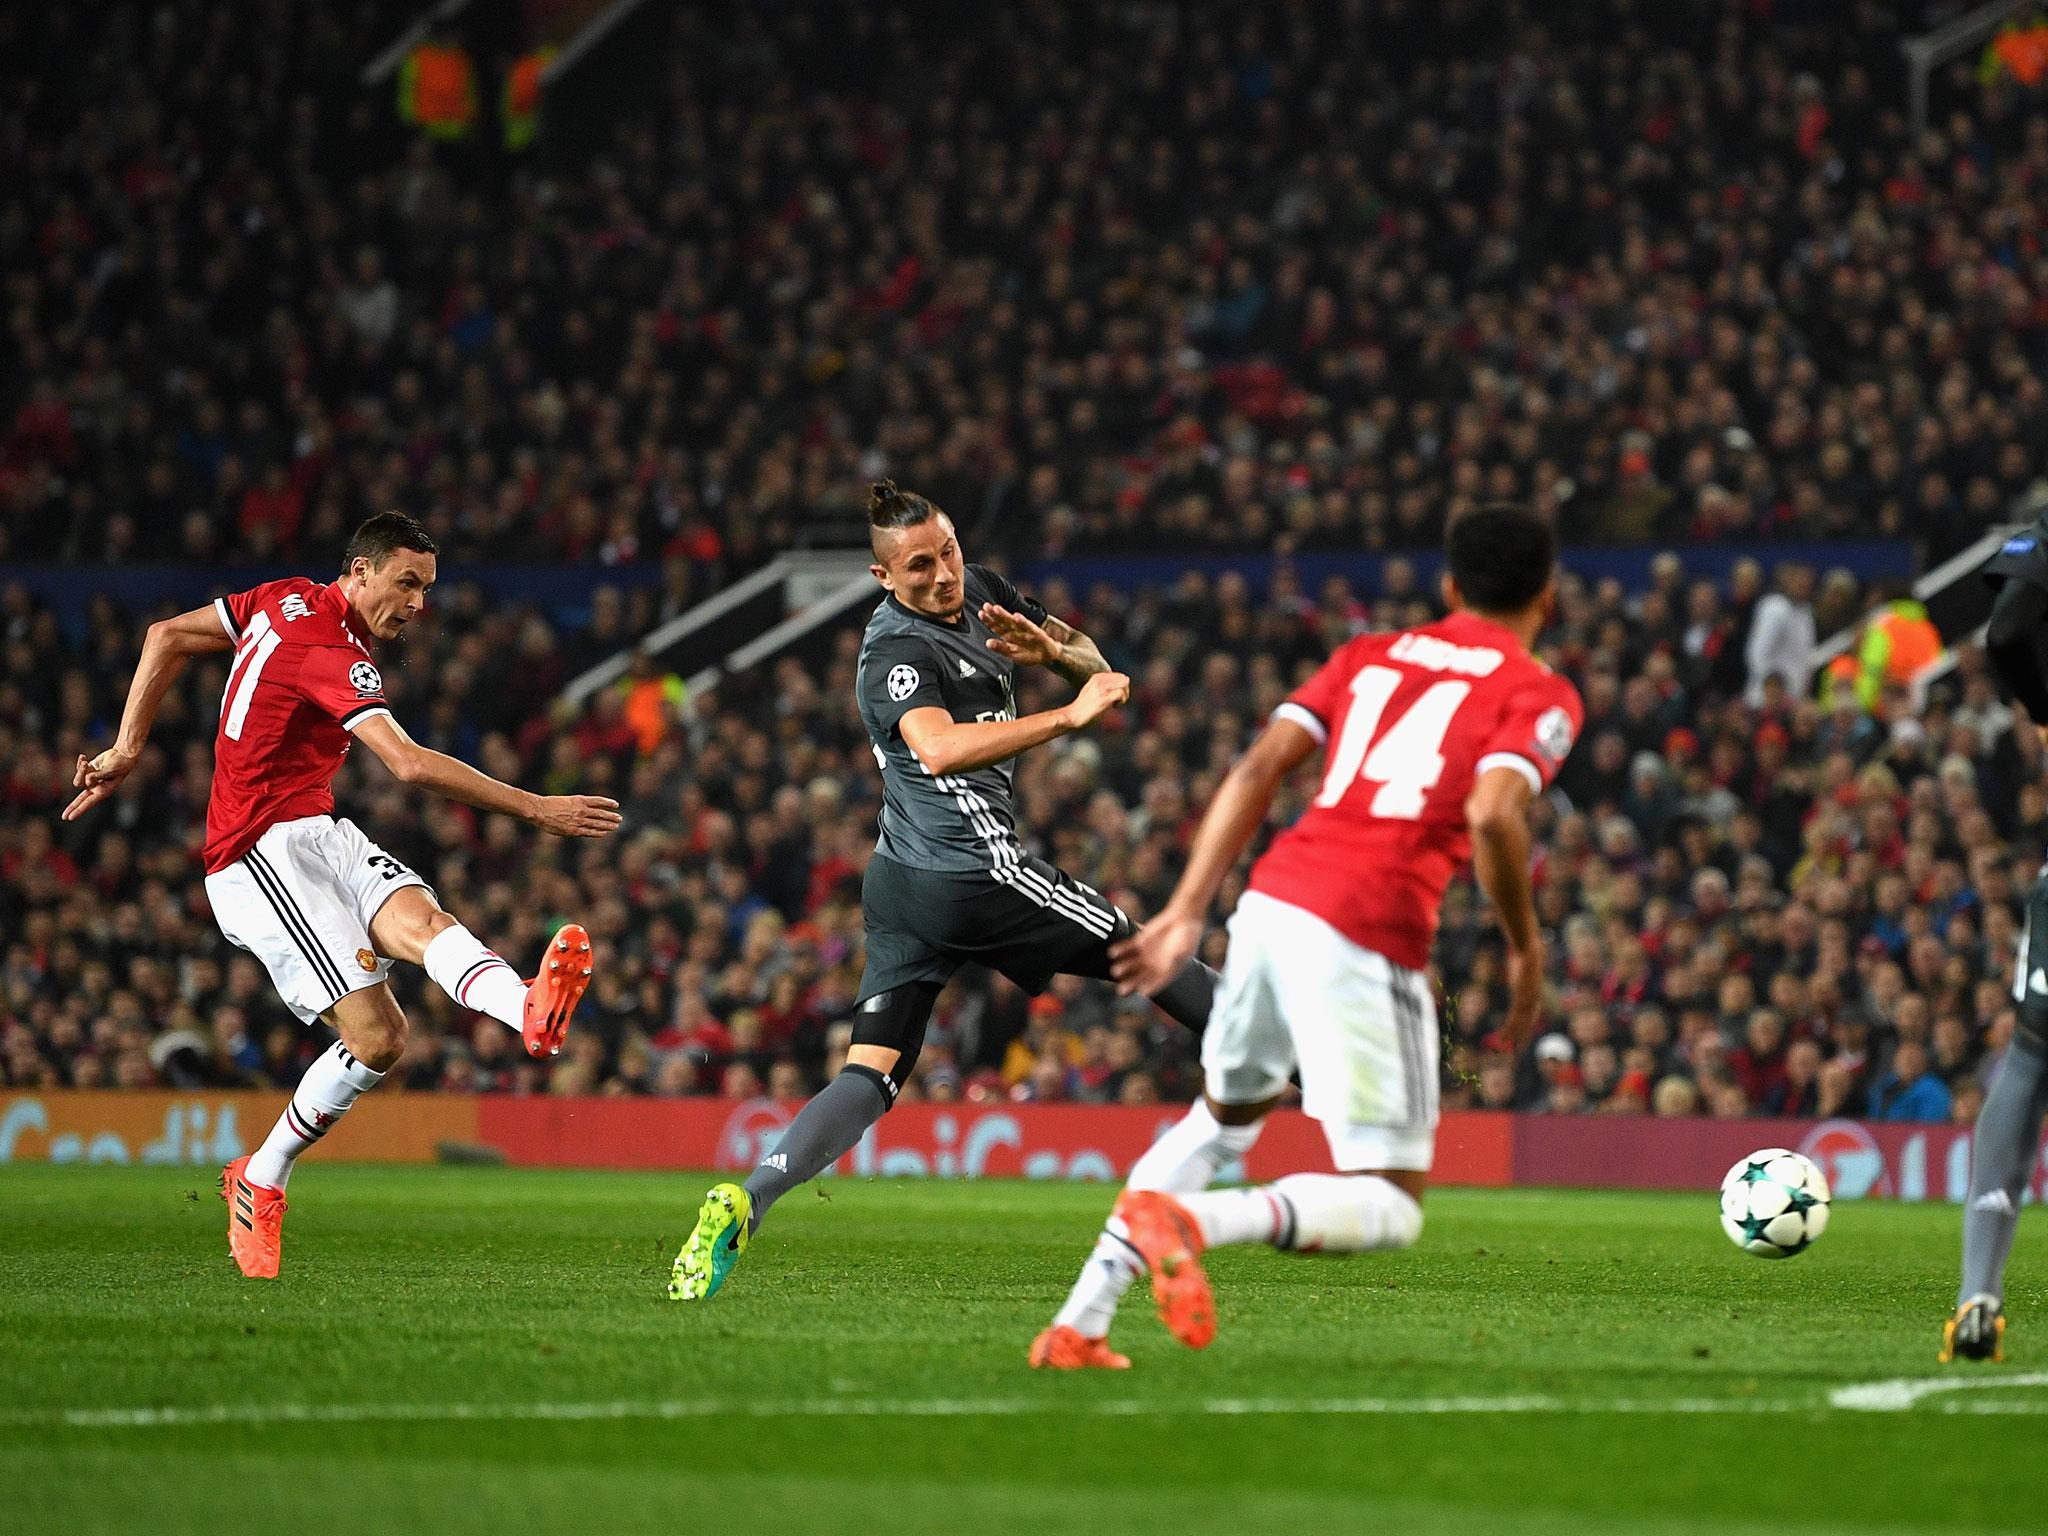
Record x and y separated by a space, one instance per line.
344 683
238 608
1317 703
235 610
1536 730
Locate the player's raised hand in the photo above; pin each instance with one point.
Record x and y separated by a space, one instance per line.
98 777
1099 695
1014 636
578 815
1145 962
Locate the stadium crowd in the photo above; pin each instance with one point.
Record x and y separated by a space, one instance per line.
1146 275
1757 904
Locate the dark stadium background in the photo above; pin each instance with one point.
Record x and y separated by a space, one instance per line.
1202 321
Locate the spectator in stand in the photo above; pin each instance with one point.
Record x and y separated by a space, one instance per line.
1909 1091
1782 636
1138 278
1645 296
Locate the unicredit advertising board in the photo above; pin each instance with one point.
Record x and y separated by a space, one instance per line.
961 1141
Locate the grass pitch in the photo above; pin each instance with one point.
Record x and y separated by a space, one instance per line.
490 1350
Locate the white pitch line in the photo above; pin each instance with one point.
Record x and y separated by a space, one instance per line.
1879 1396
1906 1391
854 1407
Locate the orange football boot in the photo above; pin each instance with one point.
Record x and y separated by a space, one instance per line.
1061 1348
255 1221
553 994
1168 1238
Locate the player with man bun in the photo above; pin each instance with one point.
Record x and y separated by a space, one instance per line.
949 882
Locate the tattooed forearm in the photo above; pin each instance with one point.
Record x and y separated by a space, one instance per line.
1079 659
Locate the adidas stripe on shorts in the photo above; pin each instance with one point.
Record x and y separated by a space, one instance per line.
301 901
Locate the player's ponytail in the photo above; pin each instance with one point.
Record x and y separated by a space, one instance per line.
889 507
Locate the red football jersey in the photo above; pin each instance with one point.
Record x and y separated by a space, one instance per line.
302 680
1409 721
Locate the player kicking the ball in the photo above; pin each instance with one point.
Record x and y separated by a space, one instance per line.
1438 738
324 908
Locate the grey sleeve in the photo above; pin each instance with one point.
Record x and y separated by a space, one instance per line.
899 673
1001 592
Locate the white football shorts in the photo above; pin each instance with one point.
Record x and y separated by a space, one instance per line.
1362 1030
301 901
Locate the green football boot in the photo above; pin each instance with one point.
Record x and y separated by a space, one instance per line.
721 1237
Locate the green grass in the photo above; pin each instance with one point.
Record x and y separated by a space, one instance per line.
502 1290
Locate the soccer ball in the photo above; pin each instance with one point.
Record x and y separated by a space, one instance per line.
1774 1203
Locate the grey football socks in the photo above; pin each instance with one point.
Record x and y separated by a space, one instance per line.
824 1131
2008 1140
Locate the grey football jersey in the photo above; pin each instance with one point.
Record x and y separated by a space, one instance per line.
908 661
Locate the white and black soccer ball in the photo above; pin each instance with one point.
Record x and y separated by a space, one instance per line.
1774 1203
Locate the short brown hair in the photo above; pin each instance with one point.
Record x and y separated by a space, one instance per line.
383 536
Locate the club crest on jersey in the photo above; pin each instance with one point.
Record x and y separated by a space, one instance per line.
366 960
902 682
365 679
1554 733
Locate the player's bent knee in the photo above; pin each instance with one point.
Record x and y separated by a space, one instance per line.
379 1046
888 1033
372 1027
407 923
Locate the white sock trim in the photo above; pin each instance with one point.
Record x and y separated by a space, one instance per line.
1346 1213
334 1081
476 977
1091 1305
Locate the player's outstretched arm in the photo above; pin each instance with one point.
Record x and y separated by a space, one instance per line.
945 745
453 779
1153 956
1497 811
169 644
1055 644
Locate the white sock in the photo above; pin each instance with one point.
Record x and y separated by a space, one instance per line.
334 1081
1192 1152
476 977
1313 1212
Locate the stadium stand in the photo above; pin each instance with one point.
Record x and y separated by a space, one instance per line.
1156 278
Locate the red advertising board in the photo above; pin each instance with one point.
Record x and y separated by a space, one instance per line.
1032 1141
207 1129
1861 1159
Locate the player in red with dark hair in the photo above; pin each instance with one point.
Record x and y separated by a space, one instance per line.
1437 740
324 908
